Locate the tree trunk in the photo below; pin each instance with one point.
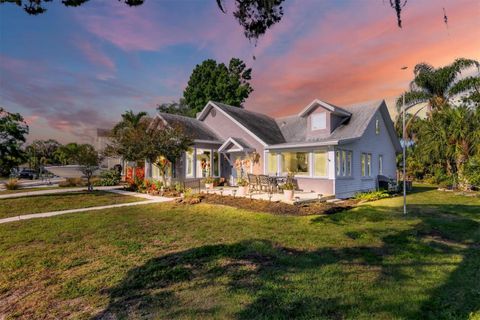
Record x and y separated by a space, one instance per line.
462 179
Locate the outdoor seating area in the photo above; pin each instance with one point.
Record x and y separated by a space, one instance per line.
271 188
299 197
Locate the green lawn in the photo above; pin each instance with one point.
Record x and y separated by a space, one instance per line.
191 262
26 190
60 201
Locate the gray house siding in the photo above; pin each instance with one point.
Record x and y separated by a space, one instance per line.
374 144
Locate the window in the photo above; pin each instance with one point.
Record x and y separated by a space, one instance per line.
320 161
272 163
343 163
319 121
216 164
337 162
203 163
364 160
380 164
377 126
369 164
296 162
349 163
366 164
189 163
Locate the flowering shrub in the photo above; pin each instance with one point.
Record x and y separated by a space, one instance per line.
242 182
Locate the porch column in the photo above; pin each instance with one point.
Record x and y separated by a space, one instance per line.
147 168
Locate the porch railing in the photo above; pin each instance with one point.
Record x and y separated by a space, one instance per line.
195 184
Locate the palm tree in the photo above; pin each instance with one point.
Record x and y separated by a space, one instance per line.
130 119
451 137
437 86
129 128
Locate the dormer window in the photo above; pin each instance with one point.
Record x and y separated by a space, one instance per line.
319 121
377 126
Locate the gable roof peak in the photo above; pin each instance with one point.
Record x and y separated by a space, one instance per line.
319 103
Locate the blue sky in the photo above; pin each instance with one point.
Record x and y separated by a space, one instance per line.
71 70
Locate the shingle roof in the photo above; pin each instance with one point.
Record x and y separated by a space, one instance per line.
294 128
263 126
197 129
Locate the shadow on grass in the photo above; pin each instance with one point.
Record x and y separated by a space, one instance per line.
283 283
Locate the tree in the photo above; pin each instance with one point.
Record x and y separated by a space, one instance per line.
127 137
66 154
437 86
165 144
176 107
89 160
256 16
148 140
42 152
130 119
449 138
217 82
13 131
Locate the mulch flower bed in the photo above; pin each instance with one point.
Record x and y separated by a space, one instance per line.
312 208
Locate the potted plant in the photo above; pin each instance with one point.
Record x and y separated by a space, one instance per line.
208 182
242 187
288 191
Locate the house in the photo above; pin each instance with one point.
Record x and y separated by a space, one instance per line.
331 150
102 139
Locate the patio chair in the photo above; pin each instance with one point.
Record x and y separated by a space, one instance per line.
253 182
265 183
273 184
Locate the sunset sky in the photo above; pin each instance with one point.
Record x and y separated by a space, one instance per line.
71 70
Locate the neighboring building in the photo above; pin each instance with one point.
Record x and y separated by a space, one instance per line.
101 142
331 150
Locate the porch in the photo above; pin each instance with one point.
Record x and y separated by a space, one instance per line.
298 198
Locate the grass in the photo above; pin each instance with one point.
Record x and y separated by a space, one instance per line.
22 190
208 261
60 201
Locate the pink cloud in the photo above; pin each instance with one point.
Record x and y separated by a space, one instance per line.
96 56
361 60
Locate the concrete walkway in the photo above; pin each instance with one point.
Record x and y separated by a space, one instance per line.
53 191
150 199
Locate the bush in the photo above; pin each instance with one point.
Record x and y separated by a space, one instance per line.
372 195
472 171
208 180
109 178
72 182
179 187
12 184
441 179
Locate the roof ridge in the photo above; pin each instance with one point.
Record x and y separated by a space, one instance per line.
244 110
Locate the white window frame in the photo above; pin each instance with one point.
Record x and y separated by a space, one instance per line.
343 169
377 126
193 164
366 164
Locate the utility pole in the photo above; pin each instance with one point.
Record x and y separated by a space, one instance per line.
404 149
